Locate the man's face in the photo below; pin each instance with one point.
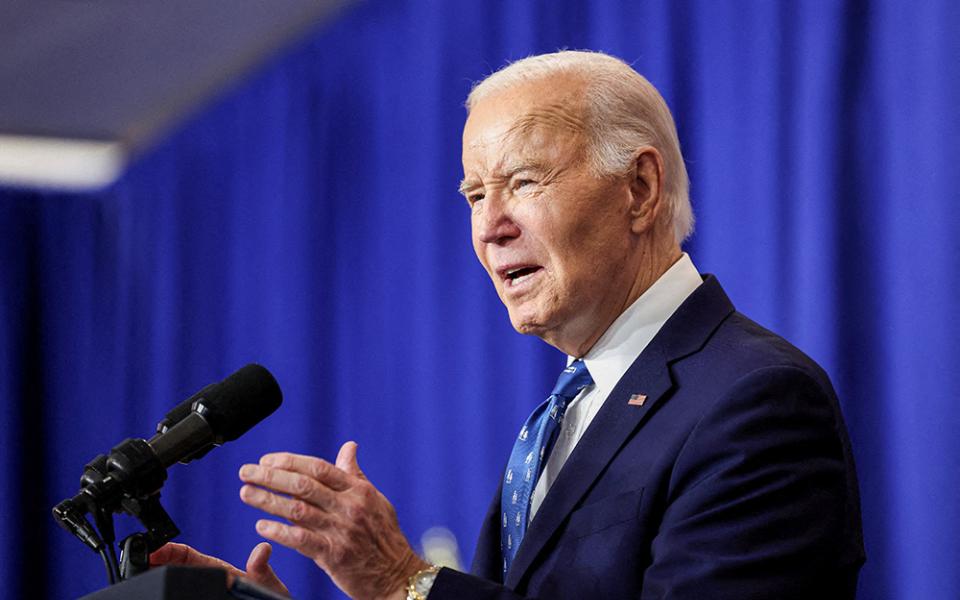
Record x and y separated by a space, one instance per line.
555 239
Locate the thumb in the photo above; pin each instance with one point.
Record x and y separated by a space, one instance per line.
260 571
347 460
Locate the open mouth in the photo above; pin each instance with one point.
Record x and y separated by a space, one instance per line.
517 275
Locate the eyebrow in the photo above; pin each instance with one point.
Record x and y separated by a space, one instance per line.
465 185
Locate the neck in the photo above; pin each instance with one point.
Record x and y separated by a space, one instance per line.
581 335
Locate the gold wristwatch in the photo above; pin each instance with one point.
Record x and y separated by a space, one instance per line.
419 584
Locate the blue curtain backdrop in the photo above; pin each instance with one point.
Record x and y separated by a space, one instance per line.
309 221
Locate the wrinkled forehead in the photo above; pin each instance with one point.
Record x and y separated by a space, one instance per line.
555 100
531 120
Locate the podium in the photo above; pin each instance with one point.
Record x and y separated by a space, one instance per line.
168 583
183 583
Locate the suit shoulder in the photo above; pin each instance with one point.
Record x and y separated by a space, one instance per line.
740 346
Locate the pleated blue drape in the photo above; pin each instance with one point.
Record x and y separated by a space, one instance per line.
309 221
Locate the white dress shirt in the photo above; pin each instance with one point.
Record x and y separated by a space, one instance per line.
610 358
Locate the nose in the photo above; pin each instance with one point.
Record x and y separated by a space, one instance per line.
493 222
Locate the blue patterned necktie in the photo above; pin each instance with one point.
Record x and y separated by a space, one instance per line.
530 453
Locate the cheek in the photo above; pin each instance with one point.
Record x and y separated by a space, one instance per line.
594 251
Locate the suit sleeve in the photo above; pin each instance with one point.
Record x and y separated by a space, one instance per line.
762 499
456 585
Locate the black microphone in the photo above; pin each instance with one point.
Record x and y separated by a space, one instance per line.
182 410
129 478
219 413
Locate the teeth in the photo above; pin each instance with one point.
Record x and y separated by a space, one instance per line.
518 274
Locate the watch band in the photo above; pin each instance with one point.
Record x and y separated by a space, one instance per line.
419 584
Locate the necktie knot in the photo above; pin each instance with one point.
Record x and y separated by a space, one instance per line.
573 379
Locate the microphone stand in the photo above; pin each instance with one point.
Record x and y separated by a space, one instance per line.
135 549
128 480
101 496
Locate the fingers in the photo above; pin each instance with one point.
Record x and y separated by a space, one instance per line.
347 460
304 541
314 468
288 482
260 571
296 510
258 567
181 554
335 517
259 559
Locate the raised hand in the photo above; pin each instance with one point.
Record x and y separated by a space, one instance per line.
336 517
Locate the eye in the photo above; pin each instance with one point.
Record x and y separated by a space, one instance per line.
474 197
523 185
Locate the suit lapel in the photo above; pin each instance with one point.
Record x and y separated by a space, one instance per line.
612 426
684 333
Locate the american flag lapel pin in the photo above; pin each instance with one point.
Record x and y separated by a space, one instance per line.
637 400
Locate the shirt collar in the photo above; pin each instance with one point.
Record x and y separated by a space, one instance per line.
630 333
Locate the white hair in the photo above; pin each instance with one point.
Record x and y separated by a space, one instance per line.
623 112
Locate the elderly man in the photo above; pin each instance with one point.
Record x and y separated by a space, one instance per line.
685 452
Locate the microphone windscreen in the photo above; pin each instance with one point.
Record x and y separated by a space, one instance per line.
240 401
182 410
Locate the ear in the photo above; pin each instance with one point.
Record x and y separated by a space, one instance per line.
646 189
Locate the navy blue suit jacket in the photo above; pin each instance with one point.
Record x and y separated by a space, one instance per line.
734 479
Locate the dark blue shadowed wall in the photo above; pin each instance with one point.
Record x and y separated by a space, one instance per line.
309 221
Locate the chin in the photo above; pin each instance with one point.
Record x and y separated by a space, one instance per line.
527 329
522 325
528 324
